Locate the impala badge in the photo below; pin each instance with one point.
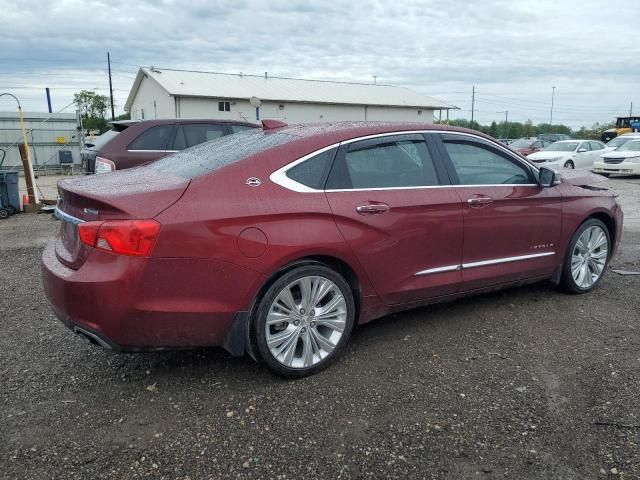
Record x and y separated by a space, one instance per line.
253 182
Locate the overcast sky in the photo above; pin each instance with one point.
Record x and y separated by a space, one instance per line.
514 52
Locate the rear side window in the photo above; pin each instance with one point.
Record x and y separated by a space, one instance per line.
155 138
209 156
384 164
196 133
312 172
478 164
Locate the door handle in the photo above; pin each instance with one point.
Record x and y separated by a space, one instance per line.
480 201
372 208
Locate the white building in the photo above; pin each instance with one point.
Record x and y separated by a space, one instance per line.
165 93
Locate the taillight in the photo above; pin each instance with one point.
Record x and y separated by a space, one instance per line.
125 237
104 165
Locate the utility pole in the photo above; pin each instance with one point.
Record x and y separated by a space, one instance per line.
473 102
553 94
113 113
631 109
506 122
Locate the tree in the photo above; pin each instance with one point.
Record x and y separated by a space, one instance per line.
493 129
92 109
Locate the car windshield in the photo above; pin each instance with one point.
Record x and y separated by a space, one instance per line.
523 143
561 147
616 142
209 156
633 146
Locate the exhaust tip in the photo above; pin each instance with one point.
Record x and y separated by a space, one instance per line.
92 338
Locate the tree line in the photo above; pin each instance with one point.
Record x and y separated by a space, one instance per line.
528 129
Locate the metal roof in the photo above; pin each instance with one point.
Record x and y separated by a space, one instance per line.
238 86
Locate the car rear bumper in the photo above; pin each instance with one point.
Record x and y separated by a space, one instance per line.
128 303
623 168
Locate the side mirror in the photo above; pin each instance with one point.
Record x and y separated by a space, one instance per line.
582 150
547 177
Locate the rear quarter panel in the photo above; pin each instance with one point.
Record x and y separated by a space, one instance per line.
209 220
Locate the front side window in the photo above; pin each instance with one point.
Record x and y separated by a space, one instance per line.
384 164
155 138
562 147
478 164
596 146
584 146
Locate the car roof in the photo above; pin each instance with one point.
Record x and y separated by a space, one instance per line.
164 121
333 132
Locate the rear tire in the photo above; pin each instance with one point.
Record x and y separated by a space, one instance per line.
303 321
586 258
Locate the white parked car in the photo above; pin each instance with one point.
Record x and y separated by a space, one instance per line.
569 154
624 160
619 141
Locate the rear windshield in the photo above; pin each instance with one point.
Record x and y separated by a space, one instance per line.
522 143
100 141
209 156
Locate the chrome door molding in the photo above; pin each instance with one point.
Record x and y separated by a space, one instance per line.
484 263
447 268
496 261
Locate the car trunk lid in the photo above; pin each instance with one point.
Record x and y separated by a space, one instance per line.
139 193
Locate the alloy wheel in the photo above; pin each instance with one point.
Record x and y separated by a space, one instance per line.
305 322
589 257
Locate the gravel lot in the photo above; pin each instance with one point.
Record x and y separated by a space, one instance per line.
528 383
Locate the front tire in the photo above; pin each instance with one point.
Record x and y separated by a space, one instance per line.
569 164
303 321
587 257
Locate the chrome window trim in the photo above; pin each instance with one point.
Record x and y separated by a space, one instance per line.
153 151
279 177
65 217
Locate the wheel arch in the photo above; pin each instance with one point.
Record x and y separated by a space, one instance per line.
333 262
608 221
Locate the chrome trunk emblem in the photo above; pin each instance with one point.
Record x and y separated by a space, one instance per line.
253 182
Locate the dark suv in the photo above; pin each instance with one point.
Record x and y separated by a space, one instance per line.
131 143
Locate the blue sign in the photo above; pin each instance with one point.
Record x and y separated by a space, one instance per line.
635 124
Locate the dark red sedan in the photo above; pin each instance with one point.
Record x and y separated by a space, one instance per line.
275 242
527 146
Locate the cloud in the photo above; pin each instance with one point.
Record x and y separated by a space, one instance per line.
513 52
